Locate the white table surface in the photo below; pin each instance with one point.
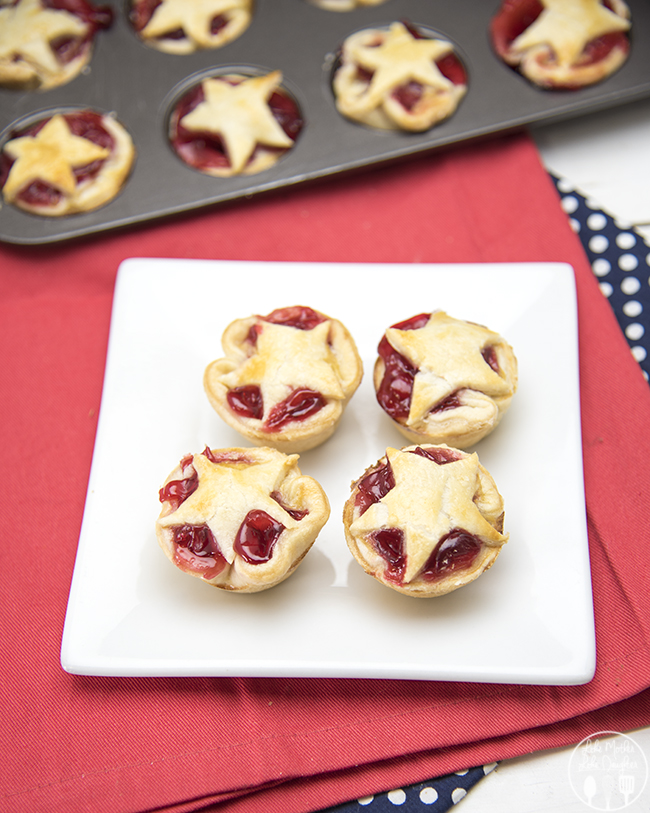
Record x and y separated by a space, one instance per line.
606 156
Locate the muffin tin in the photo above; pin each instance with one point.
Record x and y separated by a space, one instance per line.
140 86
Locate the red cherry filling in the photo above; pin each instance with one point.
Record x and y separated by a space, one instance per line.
246 401
86 124
455 551
297 316
389 544
257 536
438 455
206 150
394 392
300 405
490 356
196 550
374 486
396 387
450 402
515 16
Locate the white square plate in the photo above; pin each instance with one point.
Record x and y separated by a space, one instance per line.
527 620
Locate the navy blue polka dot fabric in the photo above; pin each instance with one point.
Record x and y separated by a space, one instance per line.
434 796
620 259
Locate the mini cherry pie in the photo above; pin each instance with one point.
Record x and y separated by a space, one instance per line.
444 380
186 26
397 78
286 377
564 44
240 519
233 124
425 520
66 163
46 43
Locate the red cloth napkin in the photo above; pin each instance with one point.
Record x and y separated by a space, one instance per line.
116 745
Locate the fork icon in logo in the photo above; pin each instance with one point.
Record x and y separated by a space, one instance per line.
626 786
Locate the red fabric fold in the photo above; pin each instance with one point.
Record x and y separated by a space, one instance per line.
118 745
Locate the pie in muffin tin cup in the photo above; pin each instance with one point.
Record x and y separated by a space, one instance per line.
188 84
139 84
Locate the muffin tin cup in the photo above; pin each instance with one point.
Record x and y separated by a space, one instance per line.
138 84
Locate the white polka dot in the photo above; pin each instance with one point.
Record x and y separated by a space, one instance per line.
630 286
461 773
593 204
639 353
627 262
599 243
647 259
634 332
623 225
428 796
625 240
632 308
397 797
601 267
458 794
645 375
606 288
366 800
489 768
575 225
564 185
597 221
569 204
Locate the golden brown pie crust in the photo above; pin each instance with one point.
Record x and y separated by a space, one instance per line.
54 152
394 57
243 480
324 359
550 52
27 58
194 18
447 356
235 108
429 501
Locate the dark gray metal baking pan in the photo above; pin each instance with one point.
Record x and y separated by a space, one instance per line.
138 84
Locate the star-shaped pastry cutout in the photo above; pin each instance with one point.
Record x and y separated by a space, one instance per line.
227 492
241 115
193 17
27 29
446 353
427 502
399 59
49 156
288 358
567 26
